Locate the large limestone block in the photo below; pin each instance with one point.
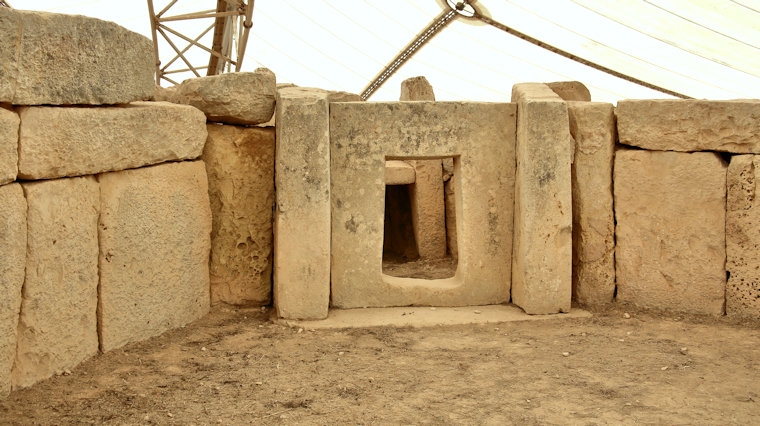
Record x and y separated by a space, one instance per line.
58 323
542 254
743 237
9 124
480 136
56 59
56 142
12 265
154 229
671 241
240 166
593 128
302 215
233 98
690 125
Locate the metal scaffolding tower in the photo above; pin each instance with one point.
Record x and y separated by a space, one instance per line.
231 24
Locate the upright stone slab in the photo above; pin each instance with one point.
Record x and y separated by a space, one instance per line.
56 59
416 89
743 237
593 128
9 123
56 141
12 266
233 98
58 324
690 125
240 166
302 214
671 221
363 135
154 229
427 194
542 251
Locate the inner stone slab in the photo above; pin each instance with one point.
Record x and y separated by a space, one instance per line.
481 138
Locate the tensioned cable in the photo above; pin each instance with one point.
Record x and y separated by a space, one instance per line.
745 6
664 9
576 58
434 28
680 74
472 13
663 40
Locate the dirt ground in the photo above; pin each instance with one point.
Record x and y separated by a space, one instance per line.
236 367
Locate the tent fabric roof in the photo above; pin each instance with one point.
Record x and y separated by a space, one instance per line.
700 48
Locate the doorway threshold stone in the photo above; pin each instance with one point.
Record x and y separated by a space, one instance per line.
424 316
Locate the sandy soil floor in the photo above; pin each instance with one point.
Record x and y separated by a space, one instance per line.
236 367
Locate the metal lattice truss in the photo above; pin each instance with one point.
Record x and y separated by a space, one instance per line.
4 3
230 23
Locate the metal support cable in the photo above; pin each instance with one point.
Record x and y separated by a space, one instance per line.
558 51
434 28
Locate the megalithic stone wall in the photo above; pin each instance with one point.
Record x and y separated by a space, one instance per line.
593 128
9 124
57 328
670 209
240 166
743 237
12 268
155 238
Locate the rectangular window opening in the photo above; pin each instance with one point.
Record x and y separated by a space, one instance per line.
419 239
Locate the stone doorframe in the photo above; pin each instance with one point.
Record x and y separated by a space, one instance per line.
329 219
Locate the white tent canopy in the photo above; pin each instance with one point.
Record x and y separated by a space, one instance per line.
699 48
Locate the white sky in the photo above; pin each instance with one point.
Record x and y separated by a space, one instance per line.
703 48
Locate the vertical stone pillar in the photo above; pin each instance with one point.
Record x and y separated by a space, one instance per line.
240 166
302 216
12 263
57 327
542 250
593 128
743 237
427 194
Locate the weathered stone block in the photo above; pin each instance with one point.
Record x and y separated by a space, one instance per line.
302 215
593 128
154 229
571 90
690 125
743 237
56 59
58 324
12 265
9 124
233 98
542 254
416 89
240 166
671 242
399 173
480 136
56 142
